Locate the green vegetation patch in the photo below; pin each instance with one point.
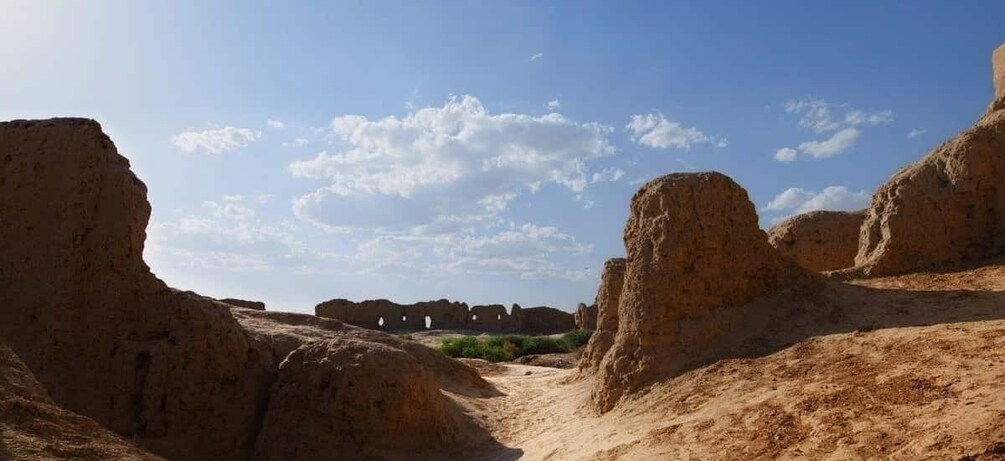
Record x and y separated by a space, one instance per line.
508 347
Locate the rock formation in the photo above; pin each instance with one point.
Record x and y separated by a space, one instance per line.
608 295
945 210
695 255
256 305
173 371
33 427
819 240
382 314
586 317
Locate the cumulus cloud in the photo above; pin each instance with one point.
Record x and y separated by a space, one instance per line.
277 124
786 154
820 117
457 160
797 200
654 130
536 56
553 104
215 140
915 133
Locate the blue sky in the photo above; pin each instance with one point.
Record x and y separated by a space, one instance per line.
481 151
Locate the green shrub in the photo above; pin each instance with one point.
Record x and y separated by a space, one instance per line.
577 338
508 347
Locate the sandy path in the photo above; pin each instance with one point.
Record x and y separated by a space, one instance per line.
913 368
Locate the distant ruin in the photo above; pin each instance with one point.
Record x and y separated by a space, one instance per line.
443 314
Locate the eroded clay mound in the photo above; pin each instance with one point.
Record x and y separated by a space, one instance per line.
277 334
33 427
998 68
586 317
608 294
946 210
695 254
361 400
170 370
819 240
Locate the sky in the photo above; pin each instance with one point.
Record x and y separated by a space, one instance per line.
484 152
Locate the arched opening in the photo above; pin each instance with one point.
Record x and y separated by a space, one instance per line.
474 317
380 322
404 318
429 322
498 316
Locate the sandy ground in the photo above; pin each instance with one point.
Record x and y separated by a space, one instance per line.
908 367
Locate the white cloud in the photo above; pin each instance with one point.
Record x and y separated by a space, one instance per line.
231 208
654 130
215 140
798 200
536 56
458 160
608 175
916 132
819 116
839 142
786 154
277 124
553 105
836 144
298 142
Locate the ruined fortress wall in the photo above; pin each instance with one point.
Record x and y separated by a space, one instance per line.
382 314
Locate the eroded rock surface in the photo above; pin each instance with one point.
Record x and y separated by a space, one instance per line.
695 256
608 295
819 240
948 209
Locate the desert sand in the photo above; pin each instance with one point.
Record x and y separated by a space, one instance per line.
907 367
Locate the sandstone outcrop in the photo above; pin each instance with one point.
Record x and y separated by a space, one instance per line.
33 427
174 372
695 256
382 314
946 210
586 317
819 240
256 305
608 295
